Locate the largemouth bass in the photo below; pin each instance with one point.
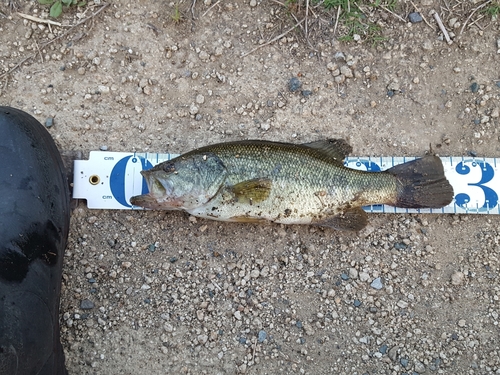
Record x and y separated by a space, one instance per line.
250 181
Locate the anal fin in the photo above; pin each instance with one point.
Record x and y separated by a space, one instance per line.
352 220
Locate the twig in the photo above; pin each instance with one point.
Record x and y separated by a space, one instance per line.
441 26
394 14
209 9
476 21
305 23
272 40
39 20
40 52
470 15
192 9
336 20
421 14
53 40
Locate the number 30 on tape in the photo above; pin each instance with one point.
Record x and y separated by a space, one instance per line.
108 179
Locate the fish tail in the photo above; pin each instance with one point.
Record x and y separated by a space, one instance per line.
421 183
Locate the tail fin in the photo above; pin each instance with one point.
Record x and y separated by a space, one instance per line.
422 184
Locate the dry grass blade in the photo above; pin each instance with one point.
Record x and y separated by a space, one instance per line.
472 13
272 40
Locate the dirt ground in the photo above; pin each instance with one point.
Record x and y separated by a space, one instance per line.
163 293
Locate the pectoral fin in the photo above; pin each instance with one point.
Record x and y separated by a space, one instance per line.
353 219
252 191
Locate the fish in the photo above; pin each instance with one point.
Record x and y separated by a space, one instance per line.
256 180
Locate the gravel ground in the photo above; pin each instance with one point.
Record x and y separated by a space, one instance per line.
162 292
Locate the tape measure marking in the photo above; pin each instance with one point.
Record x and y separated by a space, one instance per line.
476 181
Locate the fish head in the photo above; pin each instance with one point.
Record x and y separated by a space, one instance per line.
184 183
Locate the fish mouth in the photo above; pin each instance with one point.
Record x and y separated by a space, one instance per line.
159 196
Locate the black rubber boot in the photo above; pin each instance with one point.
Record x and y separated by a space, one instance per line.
34 223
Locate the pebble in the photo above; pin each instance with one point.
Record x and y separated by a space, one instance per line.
86 304
357 303
294 84
346 71
393 352
364 276
353 273
474 87
383 349
377 284
103 148
200 99
307 93
402 304
462 323
457 278
237 314
262 335
253 3
49 122
415 17
404 362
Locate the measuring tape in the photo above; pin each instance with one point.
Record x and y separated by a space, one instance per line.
109 179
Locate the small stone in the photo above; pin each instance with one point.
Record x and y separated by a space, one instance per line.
390 93
237 314
103 89
253 3
461 323
306 93
494 113
377 284
254 274
262 336
364 276
353 273
294 84
200 314
204 55
404 362
81 71
49 122
202 339
200 99
193 109
415 17
86 304
393 352
344 276
346 71
331 66
474 87
419 367
457 278
298 324
402 304
103 148
357 303
452 22
383 349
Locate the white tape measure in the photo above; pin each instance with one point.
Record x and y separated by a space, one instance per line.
109 179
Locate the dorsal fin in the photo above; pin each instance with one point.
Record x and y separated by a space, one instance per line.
336 149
